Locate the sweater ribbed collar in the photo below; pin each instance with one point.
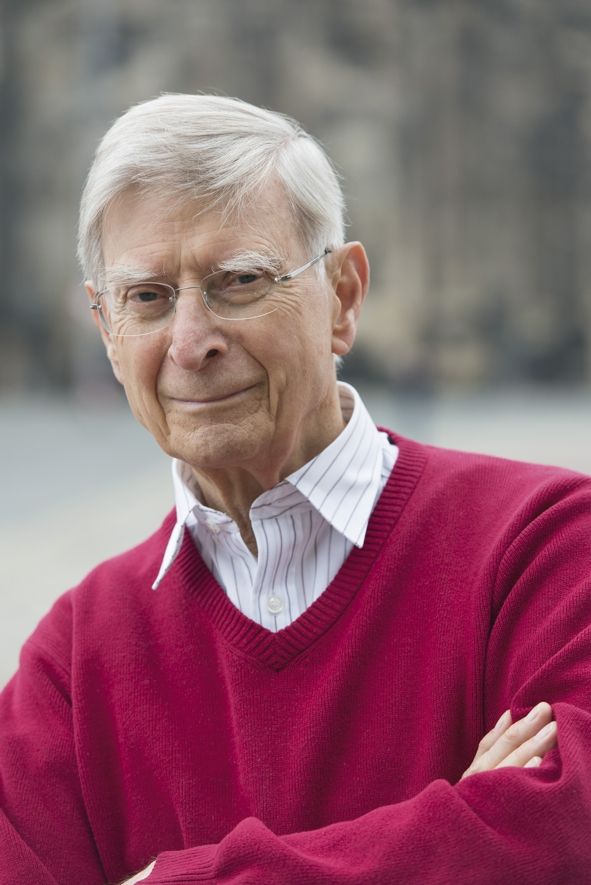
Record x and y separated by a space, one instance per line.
191 577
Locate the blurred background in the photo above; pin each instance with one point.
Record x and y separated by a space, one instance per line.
462 130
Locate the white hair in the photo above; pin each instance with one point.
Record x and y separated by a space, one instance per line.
219 151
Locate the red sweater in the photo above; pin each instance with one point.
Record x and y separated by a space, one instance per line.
167 724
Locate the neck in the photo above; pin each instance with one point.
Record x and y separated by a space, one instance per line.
233 489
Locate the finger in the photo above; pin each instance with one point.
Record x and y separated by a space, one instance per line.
517 734
488 741
544 741
513 737
139 877
493 735
533 762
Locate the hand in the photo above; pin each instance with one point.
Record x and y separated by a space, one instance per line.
522 743
139 877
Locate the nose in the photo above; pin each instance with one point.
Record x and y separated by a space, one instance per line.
196 336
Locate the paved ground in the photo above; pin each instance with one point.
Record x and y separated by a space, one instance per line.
82 481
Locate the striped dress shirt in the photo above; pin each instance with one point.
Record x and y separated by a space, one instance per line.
305 526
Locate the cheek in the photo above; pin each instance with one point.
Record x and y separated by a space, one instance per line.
300 368
302 325
139 368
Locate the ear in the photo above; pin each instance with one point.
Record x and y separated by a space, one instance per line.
110 346
350 281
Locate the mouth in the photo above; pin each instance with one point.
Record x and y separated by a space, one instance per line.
195 401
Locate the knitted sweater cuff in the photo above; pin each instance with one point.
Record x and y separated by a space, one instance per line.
184 867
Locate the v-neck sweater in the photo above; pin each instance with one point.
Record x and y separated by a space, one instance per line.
168 725
304 527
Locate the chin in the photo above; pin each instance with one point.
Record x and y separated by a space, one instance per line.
217 448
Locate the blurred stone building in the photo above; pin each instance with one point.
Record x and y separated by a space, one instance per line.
462 130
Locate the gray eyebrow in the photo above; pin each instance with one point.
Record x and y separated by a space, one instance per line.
250 258
124 273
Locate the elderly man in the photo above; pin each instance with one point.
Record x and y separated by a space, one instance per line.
290 680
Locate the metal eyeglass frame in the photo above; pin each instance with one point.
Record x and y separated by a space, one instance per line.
284 278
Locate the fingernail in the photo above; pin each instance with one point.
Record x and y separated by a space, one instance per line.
534 762
533 712
504 720
546 731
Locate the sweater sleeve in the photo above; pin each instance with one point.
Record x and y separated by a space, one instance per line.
45 836
529 826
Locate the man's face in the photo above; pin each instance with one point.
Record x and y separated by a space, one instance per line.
257 393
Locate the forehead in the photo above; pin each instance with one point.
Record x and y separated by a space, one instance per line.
148 229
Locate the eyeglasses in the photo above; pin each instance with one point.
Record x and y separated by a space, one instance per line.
129 310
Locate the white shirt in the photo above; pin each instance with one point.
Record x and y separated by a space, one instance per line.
304 527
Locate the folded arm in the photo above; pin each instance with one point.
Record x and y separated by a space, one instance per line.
529 825
522 744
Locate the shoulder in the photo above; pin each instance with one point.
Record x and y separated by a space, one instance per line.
492 494
445 467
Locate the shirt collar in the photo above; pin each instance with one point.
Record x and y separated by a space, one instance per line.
342 481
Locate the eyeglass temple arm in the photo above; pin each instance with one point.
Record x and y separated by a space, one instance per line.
298 270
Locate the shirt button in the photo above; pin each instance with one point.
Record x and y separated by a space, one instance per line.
275 604
213 526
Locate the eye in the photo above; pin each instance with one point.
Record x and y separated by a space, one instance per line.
246 278
239 279
147 294
237 288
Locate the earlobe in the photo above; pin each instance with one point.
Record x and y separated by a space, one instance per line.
107 339
350 282
112 355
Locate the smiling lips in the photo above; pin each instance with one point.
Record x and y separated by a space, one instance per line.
197 401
